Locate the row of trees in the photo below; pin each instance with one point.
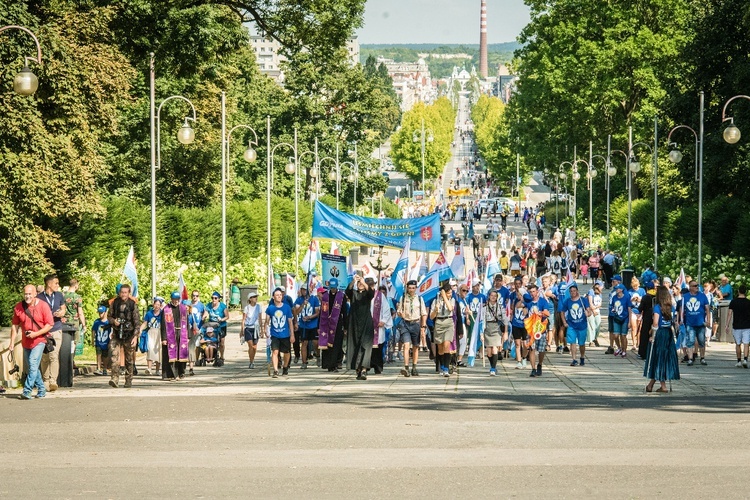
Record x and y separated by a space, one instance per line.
77 153
438 119
591 69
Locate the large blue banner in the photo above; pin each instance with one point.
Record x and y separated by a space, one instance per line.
332 224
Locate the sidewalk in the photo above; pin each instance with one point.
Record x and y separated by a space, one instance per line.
602 375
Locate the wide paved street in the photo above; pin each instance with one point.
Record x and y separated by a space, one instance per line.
233 432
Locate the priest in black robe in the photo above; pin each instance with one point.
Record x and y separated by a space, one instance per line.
361 331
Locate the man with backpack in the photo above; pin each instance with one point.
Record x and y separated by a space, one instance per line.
413 313
124 318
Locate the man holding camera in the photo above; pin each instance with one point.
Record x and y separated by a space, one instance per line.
56 302
124 318
32 319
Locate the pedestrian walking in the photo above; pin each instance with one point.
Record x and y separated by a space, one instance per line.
32 320
739 318
662 362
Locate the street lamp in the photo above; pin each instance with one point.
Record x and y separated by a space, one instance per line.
731 133
249 155
185 135
430 137
26 82
291 169
314 170
675 156
562 175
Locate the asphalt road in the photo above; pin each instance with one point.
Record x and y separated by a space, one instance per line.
233 432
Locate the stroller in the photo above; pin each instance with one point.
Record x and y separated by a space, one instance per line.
208 346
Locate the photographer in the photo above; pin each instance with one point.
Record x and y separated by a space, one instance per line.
32 319
124 318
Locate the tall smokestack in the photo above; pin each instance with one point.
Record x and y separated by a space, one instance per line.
483 40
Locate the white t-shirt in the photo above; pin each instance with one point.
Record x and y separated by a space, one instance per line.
252 315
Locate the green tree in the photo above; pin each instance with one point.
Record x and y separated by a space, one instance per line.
406 144
53 144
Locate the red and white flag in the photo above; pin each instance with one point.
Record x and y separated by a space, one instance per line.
182 288
335 249
680 282
291 287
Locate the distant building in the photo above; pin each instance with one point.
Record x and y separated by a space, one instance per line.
269 59
411 81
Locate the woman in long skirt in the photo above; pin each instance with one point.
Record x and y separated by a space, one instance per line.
662 362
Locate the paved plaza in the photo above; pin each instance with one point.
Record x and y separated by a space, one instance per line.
233 432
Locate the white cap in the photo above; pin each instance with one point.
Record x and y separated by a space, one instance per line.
476 281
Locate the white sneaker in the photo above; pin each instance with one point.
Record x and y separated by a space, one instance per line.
744 363
738 364
523 362
519 365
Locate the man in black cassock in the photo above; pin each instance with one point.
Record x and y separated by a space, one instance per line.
334 354
359 344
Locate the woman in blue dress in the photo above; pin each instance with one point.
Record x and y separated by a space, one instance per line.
662 363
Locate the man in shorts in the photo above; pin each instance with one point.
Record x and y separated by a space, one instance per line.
519 312
307 310
619 310
413 313
614 340
576 310
739 318
279 325
695 316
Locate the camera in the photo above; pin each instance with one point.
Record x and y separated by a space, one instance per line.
27 332
15 369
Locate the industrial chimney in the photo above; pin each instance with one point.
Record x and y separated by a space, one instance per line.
483 40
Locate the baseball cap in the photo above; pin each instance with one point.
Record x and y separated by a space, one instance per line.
252 294
599 282
621 287
370 281
411 283
158 299
303 286
320 290
518 278
475 282
175 296
216 294
101 309
333 283
617 277
209 329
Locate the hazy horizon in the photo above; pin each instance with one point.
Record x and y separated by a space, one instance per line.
440 21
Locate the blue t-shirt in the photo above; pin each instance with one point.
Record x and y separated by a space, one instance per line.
541 304
663 322
307 310
620 307
152 320
503 296
474 301
635 299
280 317
214 313
101 330
726 291
518 314
210 339
695 309
595 299
575 312
196 314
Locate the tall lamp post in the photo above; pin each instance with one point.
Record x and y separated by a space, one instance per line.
562 175
249 155
291 168
26 82
590 174
186 135
429 137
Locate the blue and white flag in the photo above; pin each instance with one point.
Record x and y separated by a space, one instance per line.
493 267
458 264
415 267
399 277
130 272
475 332
430 284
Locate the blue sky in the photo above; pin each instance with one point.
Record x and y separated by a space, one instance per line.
441 21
